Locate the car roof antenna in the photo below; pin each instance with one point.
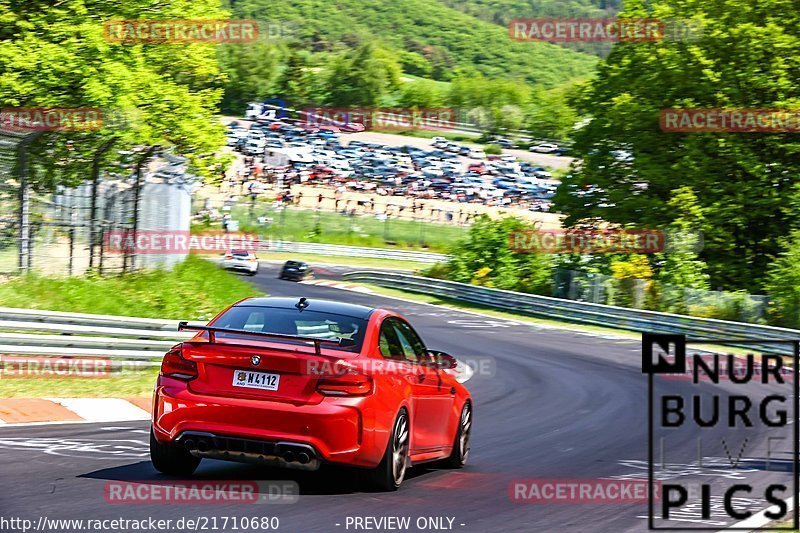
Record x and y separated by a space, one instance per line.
302 304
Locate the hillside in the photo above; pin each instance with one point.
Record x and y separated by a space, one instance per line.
422 31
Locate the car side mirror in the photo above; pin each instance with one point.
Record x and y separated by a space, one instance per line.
442 360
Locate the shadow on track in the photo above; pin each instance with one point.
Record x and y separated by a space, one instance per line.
328 480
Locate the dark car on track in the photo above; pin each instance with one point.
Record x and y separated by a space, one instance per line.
296 271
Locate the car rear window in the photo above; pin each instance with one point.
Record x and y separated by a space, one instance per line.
293 322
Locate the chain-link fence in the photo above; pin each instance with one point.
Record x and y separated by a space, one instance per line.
655 296
66 232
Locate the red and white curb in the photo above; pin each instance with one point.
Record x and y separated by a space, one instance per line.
338 285
46 410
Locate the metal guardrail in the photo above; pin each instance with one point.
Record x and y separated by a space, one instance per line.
351 251
132 340
584 312
126 341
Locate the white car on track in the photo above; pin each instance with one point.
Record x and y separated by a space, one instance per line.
240 260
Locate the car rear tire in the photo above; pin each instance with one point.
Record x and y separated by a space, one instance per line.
460 454
171 459
389 474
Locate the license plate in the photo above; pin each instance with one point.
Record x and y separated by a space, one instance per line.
256 380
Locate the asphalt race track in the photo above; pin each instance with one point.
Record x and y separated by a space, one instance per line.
549 404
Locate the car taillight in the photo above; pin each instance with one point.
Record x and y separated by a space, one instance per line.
348 384
175 366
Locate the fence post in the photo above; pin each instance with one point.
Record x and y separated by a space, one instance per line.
137 189
93 209
72 219
24 203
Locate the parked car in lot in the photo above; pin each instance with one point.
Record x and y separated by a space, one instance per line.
298 383
544 148
504 143
296 271
561 150
241 260
480 168
255 146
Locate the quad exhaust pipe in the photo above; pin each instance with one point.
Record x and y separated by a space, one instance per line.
300 456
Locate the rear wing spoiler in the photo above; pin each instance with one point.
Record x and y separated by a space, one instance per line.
212 331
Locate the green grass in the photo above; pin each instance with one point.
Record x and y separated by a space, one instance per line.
194 290
306 225
366 262
124 384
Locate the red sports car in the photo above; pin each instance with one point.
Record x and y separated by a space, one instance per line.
298 383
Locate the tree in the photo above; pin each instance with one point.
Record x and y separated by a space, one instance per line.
421 93
679 265
250 71
484 257
294 85
550 115
151 94
362 77
742 181
783 282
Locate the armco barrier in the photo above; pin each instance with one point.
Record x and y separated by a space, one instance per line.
128 341
585 313
351 251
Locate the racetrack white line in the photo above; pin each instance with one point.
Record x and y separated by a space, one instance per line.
758 520
103 409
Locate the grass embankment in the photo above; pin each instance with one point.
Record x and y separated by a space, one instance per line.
307 225
356 262
128 383
194 290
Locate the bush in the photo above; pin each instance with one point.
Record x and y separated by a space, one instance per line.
484 258
493 149
783 284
